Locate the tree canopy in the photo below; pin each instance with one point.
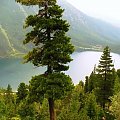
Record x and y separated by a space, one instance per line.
51 48
105 77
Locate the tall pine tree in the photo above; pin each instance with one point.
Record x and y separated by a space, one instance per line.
105 77
52 48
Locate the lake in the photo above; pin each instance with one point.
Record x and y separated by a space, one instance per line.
84 62
12 71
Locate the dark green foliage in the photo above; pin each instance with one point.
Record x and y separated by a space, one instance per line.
7 104
118 73
22 92
81 100
70 110
42 110
105 77
77 105
51 48
34 2
92 81
81 107
26 111
9 99
3 109
54 86
91 106
86 84
117 81
109 115
53 54
81 83
9 89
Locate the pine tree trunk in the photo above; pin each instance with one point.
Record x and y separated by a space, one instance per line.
51 109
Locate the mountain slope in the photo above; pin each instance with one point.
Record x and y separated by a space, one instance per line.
11 27
86 32
89 32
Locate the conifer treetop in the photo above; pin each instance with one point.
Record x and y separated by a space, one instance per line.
34 2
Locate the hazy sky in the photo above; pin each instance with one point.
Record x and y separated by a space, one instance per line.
108 10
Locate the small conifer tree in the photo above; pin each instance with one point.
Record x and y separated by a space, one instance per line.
105 77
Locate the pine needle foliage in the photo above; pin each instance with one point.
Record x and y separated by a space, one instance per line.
105 77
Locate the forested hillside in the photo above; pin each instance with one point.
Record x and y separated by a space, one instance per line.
86 32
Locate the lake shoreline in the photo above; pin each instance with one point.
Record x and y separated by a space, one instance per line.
13 71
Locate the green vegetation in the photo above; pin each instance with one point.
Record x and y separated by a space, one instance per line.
52 95
78 104
106 78
52 48
87 33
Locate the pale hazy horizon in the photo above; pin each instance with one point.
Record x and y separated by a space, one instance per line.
107 10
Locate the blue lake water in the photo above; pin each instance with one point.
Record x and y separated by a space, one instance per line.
13 71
